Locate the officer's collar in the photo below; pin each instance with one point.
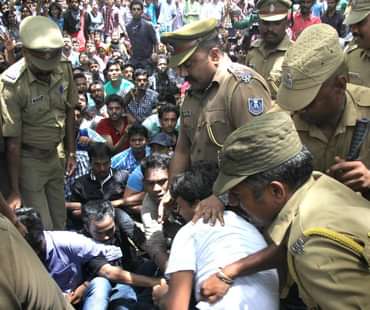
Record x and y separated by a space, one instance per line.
56 73
280 226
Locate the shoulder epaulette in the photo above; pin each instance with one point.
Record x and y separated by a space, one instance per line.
350 48
14 72
240 72
256 43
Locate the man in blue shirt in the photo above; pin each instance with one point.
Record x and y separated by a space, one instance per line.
65 255
129 159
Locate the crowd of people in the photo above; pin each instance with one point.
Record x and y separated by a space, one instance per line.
176 154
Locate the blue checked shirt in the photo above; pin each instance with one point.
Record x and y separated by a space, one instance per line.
126 160
142 108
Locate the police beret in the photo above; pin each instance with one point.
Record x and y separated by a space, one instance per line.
187 39
39 32
263 143
273 10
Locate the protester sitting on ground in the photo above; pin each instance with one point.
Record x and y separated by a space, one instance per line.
101 225
141 100
65 255
84 138
114 129
134 190
155 172
100 183
166 120
116 84
129 159
208 249
25 284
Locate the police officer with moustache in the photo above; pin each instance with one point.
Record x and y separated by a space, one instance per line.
223 95
37 100
267 53
325 106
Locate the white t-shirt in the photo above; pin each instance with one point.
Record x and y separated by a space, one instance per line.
202 249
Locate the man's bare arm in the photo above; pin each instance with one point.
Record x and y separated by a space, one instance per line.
13 156
117 274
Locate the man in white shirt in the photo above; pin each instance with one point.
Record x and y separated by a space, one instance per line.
198 251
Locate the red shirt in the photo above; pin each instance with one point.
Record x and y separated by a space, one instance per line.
300 24
105 128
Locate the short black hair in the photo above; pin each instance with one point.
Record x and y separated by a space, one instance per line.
96 82
99 150
31 219
96 210
128 64
155 161
138 129
168 107
79 75
196 183
93 61
114 98
294 173
139 72
112 62
136 2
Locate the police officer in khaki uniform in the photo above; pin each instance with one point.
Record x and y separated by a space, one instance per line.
222 97
324 224
267 53
37 100
358 52
325 107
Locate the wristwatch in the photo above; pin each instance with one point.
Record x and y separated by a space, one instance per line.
72 155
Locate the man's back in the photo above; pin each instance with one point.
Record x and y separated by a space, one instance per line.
24 282
202 249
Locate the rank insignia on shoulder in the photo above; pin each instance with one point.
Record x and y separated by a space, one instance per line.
255 106
241 73
245 77
298 246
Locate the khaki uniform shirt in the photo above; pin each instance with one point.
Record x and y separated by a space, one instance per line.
358 62
36 110
330 273
24 281
323 149
268 62
235 95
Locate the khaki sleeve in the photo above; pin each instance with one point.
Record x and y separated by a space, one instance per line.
72 98
11 112
331 276
250 99
24 281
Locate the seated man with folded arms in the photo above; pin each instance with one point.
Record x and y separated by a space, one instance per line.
66 254
199 251
100 183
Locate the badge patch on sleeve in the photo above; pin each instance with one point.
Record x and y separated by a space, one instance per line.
255 106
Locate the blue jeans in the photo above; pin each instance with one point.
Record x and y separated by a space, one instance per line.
100 293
